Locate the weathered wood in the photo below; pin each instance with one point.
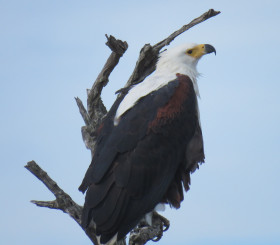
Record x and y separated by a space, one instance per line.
96 109
62 202
83 111
210 13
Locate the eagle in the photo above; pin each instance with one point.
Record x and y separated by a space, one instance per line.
147 146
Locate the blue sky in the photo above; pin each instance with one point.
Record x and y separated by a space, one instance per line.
51 51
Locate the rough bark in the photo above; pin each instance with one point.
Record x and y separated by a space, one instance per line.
92 117
62 202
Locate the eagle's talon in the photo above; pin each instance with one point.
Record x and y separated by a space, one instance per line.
157 238
164 222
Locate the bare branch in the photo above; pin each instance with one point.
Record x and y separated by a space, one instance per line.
148 57
63 201
46 204
210 13
96 109
145 65
95 106
89 137
83 111
43 176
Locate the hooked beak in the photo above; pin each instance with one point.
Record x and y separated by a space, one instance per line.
209 49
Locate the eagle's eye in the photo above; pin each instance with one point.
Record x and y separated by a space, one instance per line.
189 51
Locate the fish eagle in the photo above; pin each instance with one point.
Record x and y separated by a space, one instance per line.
147 146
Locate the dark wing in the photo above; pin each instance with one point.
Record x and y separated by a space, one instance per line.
113 140
136 162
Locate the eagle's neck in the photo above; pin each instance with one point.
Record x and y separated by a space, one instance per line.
166 72
161 77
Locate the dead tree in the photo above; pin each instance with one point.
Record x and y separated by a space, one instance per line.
92 117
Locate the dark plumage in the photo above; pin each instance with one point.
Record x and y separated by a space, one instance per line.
143 160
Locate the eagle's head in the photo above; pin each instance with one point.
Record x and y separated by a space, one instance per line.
183 57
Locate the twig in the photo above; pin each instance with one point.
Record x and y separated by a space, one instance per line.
83 111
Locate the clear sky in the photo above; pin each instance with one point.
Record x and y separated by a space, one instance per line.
51 51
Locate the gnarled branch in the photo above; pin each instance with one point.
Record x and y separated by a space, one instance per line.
62 202
95 107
